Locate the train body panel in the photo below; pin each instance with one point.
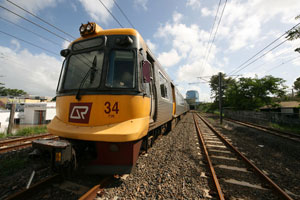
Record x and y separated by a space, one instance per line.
164 97
104 109
125 131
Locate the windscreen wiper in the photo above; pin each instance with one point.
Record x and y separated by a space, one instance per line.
92 70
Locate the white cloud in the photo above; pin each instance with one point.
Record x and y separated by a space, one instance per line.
193 3
151 45
33 6
96 10
206 12
34 73
244 23
168 59
74 7
296 62
16 43
185 39
141 3
188 45
65 44
189 72
177 17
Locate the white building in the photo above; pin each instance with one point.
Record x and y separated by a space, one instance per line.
34 113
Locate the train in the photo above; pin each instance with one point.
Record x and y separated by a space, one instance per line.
113 98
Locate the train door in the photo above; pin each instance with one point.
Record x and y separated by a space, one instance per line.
153 112
174 99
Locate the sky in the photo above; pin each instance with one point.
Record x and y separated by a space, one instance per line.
180 34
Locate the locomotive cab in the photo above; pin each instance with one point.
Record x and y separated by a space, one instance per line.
102 103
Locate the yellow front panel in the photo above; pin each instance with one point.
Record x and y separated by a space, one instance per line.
106 109
112 118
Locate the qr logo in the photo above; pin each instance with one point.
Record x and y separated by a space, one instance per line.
80 112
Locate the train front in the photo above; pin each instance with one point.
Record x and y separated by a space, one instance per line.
102 106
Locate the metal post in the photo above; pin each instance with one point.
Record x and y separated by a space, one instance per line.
220 97
30 179
11 118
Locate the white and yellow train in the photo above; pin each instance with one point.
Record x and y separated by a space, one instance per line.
112 96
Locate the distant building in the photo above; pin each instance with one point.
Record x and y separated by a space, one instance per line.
285 107
29 114
192 97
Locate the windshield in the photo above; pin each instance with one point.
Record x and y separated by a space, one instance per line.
78 67
121 73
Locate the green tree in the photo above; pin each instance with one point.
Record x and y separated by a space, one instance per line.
253 93
294 34
214 84
10 92
297 86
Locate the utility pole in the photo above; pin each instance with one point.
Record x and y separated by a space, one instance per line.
220 97
11 118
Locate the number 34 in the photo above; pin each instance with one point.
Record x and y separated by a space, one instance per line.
109 109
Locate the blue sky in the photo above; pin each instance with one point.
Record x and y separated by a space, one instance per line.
177 32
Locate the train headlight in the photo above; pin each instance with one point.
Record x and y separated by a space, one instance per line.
82 28
89 27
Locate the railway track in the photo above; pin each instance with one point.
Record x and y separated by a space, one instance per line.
290 136
233 174
57 182
20 143
28 193
96 191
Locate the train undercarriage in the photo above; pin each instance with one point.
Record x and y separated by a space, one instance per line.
95 157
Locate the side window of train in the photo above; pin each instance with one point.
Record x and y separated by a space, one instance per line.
163 86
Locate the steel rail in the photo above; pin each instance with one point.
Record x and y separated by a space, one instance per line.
12 147
273 184
282 134
92 193
25 144
9 141
31 191
212 170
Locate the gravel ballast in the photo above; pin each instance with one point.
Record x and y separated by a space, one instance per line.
172 169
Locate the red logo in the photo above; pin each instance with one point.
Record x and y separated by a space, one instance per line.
80 112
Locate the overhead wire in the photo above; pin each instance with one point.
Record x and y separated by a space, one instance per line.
8 21
220 19
13 60
38 25
41 19
124 14
111 14
282 53
285 62
34 23
211 30
234 71
28 42
260 57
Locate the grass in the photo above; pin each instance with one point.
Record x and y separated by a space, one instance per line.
31 131
286 128
27 131
9 167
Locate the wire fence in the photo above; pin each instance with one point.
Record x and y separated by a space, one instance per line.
265 118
